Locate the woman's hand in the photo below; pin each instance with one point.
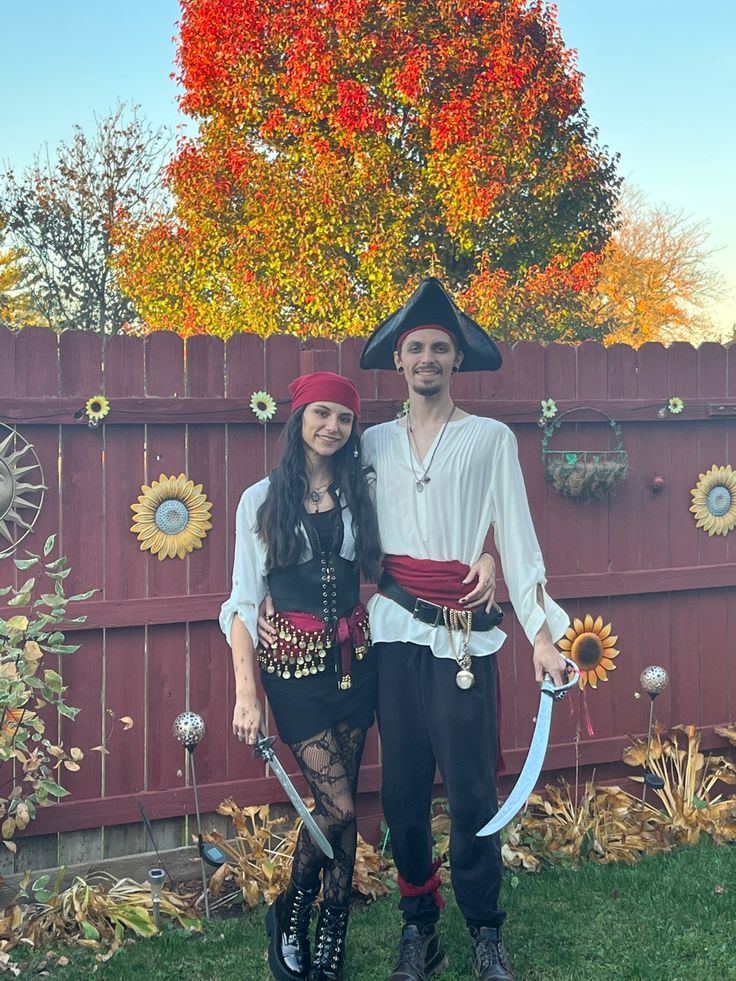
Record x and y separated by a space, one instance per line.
484 570
247 718
267 633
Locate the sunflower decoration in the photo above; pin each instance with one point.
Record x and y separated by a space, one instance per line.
404 409
172 516
96 409
549 408
675 405
263 406
590 645
714 500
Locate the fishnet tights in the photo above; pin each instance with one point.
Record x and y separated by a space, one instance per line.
330 762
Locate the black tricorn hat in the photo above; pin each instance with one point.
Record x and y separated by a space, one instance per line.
430 303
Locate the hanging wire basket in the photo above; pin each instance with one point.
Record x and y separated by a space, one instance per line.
584 474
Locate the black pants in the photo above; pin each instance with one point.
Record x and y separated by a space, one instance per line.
426 722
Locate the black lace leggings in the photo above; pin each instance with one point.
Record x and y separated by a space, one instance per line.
330 762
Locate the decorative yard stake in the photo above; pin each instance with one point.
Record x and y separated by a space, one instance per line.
156 880
188 730
654 680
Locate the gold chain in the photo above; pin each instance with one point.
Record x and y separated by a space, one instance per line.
459 620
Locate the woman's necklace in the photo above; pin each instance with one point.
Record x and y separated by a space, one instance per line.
315 495
421 479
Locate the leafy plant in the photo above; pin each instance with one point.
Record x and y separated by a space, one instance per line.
94 913
691 780
262 853
30 692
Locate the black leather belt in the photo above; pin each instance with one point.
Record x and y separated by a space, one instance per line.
431 613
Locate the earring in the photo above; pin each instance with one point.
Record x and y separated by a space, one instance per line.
400 369
455 368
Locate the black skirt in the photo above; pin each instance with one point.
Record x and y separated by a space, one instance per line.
303 707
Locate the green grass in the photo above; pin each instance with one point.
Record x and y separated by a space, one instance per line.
670 918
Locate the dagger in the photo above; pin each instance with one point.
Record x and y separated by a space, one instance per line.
264 749
535 757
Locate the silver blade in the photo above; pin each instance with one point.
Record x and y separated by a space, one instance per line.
532 767
300 807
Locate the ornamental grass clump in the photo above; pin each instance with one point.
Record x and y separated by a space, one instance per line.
260 858
602 824
690 795
31 693
608 824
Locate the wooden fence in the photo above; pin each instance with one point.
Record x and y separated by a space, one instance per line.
151 646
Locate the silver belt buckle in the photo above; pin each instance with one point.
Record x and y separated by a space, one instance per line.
421 605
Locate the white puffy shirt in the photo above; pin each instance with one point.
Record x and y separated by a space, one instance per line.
249 584
475 484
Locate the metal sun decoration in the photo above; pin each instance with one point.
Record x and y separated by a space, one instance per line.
18 460
172 516
189 730
714 500
654 680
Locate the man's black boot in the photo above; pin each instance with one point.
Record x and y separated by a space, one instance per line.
421 954
329 943
490 962
287 923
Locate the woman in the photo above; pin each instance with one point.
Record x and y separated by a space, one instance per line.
304 535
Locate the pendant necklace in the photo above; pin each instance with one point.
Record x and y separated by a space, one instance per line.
315 495
421 479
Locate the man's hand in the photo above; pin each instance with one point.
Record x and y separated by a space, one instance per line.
484 570
247 718
267 633
548 660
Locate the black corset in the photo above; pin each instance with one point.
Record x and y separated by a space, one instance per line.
327 586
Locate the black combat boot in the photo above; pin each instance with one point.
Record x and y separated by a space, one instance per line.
287 923
421 955
329 943
490 962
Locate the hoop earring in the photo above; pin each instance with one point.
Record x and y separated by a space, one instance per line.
455 368
400 369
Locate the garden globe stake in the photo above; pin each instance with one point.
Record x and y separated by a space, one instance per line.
189 730
654 680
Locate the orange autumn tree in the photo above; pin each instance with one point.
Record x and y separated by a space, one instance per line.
656 282
347 147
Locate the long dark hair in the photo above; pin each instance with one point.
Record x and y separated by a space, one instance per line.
279 518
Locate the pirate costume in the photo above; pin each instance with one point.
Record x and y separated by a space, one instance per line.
320 670
437 670
320 680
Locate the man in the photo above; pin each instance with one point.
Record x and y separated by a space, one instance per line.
443 480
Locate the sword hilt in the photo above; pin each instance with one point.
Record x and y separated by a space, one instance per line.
263 746
559 693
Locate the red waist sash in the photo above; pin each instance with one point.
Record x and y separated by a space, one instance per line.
437 582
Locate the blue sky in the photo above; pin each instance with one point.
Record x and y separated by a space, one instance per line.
660 79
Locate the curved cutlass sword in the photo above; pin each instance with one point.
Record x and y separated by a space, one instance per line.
264 749
535 757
